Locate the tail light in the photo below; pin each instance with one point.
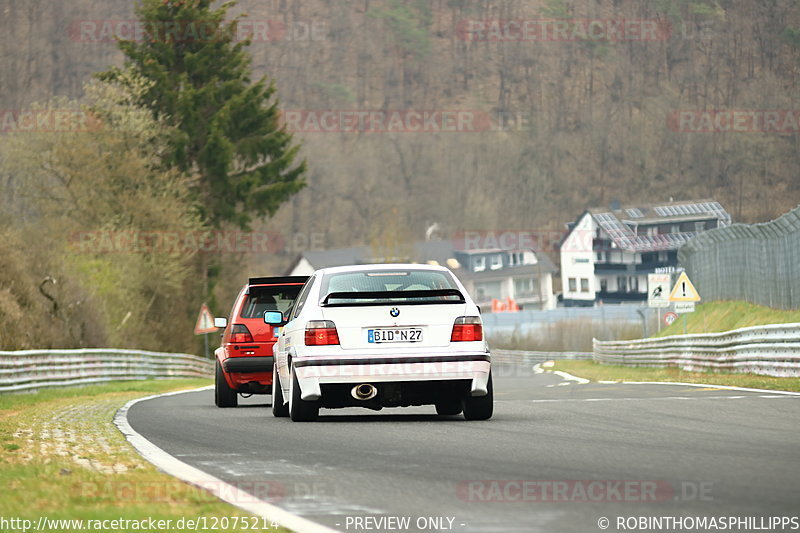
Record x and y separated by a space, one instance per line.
321 333
467 328
240 333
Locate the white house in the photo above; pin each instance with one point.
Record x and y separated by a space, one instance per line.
608 252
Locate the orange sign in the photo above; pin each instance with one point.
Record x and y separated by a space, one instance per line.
504 306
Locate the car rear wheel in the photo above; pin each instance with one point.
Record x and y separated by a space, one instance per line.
480 407
279 409
449 408
301 410
224 396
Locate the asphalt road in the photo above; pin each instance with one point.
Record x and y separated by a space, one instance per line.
656 451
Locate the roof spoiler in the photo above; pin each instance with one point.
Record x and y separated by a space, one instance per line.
277 280
390 295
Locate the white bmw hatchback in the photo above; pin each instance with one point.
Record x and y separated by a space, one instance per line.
380 336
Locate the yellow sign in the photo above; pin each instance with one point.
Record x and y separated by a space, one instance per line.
684 291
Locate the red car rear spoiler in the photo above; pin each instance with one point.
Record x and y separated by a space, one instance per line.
280 280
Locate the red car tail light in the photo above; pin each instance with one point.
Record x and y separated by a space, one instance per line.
466 329
321 333
240 333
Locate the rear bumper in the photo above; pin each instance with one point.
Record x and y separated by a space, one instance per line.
312 372
248 364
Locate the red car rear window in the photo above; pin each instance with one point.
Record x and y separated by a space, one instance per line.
260 299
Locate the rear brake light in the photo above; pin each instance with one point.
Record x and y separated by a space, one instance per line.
240 333
466 329
321 333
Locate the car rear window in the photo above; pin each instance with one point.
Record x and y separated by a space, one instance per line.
399 281
263 299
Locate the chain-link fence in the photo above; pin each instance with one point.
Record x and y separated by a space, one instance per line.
758 263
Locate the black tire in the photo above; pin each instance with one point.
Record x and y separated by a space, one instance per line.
480 407
224 396
449 408
279 409
301 410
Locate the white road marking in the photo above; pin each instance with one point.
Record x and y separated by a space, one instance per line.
570 377
194 476
706 385
631 399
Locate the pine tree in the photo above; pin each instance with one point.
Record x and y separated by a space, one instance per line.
228 133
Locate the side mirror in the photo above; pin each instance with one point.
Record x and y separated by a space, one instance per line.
220 322
274 318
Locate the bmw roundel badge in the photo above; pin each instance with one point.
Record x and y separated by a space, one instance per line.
395 312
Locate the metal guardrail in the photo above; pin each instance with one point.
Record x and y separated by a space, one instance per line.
528 357
772 350
38 369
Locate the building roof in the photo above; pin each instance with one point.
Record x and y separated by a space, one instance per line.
619 224
440 252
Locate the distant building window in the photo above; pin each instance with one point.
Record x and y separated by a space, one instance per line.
600 256
622 284
496 262
652 231
675 228
603 285
633 284
584 285
521 258
488 290
573 284
523 287
699 226
662 256
480 264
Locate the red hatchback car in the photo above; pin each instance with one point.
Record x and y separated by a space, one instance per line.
244 358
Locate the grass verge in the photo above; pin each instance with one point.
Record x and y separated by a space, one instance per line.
61 457
713 317
596 372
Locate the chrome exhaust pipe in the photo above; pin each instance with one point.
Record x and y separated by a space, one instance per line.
364 392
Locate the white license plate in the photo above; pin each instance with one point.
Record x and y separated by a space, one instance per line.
378 336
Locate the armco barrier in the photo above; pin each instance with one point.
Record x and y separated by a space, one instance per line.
772 350
37 369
